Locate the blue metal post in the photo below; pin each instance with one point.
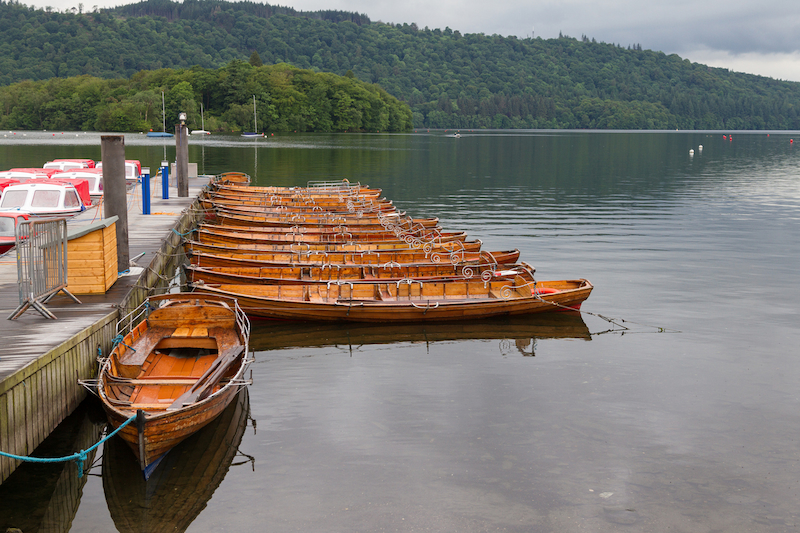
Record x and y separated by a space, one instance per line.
145 191
165 180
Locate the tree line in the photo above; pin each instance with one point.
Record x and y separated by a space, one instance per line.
449 80
286 99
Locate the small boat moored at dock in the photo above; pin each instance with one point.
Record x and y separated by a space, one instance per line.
175 371
408 300
8 226
43 197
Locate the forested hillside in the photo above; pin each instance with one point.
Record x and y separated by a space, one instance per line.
450 80
287 99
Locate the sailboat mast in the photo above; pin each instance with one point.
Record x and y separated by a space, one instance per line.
163 113
255 118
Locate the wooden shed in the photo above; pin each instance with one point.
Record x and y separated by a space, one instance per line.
92 257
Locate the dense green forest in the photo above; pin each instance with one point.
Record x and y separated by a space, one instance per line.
449 80
287 98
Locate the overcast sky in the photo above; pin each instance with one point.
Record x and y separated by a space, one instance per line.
742 35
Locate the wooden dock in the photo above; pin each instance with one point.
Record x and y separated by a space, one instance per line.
42 359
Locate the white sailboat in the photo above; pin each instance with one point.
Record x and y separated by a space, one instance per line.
255 123
203 120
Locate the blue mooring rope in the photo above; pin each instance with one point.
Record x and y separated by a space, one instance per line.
78 457
118 340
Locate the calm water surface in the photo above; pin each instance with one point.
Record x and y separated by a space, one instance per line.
687 421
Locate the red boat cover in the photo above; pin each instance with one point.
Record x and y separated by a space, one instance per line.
6 182
81 185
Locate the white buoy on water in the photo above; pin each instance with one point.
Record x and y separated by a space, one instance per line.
700 148
691 152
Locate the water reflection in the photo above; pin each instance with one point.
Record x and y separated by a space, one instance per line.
518 332
181 487
45 497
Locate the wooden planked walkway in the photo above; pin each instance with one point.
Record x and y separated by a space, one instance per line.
41 359
32 335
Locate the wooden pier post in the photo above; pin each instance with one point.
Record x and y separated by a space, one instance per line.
112 152
182 157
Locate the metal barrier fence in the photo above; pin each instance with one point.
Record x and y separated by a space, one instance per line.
41 264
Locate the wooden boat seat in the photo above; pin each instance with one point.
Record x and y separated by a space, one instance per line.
189 332
230 350
143 346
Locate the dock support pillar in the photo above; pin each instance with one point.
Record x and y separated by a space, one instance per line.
165 180
145 191
115 201
182 159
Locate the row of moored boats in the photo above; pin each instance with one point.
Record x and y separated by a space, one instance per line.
343 252
325 252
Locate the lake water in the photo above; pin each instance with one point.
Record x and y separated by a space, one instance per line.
689 420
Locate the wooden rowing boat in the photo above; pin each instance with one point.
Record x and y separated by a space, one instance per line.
176 371
238 218
250 255
310 216
288 203
301 275
406 300
231 179
300 199
266 245
418 231
342 188
265 207
264 236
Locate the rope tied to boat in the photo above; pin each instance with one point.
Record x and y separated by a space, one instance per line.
179 234
610 320
118 340
78 457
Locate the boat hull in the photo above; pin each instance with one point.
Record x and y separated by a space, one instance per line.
300 306
216 255
176 372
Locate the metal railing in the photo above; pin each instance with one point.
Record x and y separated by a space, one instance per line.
41 264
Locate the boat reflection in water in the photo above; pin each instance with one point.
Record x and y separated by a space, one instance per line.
183 484
520 332
45 497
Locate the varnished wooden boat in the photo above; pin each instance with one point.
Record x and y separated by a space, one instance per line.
308 216
238 218
231 179
300 199
264 236
265 245
250 206
250 255
407 300
341 188
181 487
280 204
300 275
419 231
176 371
